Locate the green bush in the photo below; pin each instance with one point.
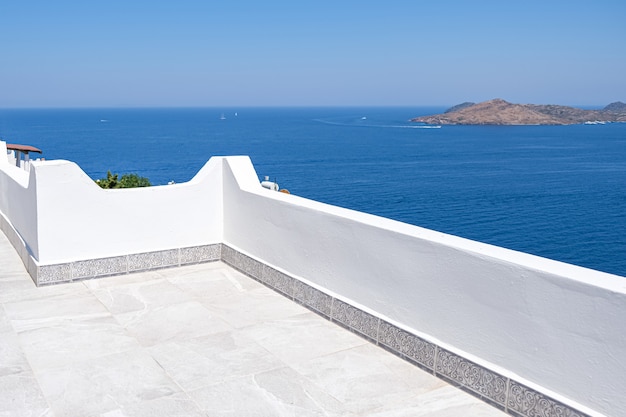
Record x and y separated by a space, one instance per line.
133 181
127 181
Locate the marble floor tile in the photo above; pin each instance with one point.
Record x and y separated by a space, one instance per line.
137 295
315 337
215 283
175 405
212 359
445 401
364 380
67 341
194 272
5 323
242 309
65 300
13 361
12 358
105 384
13 264
277 393
13 284
21 396
171 322
117 280
23 289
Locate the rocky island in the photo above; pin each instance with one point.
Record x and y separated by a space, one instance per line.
501 112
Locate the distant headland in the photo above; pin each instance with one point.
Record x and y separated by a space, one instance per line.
501 112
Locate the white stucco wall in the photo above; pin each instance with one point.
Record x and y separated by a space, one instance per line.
79 220
64 216
556 326
18 201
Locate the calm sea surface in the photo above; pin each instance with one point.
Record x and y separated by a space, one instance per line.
553 191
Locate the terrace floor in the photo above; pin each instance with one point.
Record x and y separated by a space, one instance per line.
200 340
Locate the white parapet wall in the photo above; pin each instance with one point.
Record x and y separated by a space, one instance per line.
18 205
555 327
60 216
77 219
526 333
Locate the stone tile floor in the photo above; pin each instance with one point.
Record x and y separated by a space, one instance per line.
200 340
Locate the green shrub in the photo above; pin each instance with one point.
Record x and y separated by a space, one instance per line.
127 181
133 181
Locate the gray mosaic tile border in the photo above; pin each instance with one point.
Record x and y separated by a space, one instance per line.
200 254
48 274
153 260
99 267
312 298
407 346
526 402
121 265
355 320
497 390
277 280
489 386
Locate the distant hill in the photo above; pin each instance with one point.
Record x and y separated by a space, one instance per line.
501 112
459 107
618 106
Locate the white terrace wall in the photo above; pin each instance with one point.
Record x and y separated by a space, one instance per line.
18 203
63 216
79 220
556 327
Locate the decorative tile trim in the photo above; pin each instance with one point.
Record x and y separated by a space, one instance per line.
152 260
251 266
312 298
243 263
355 319
50 274
229 255
120 265
472 376
526 402
200 254
408 345
99 267
277 280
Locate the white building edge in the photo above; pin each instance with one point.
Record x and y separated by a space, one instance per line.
529 335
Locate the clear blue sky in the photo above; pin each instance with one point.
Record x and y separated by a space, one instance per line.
342 52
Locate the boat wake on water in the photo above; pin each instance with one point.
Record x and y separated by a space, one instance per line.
361 122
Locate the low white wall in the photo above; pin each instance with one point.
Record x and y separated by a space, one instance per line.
79 220
557 327
63 216
18 200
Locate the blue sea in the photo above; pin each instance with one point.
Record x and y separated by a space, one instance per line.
553 191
